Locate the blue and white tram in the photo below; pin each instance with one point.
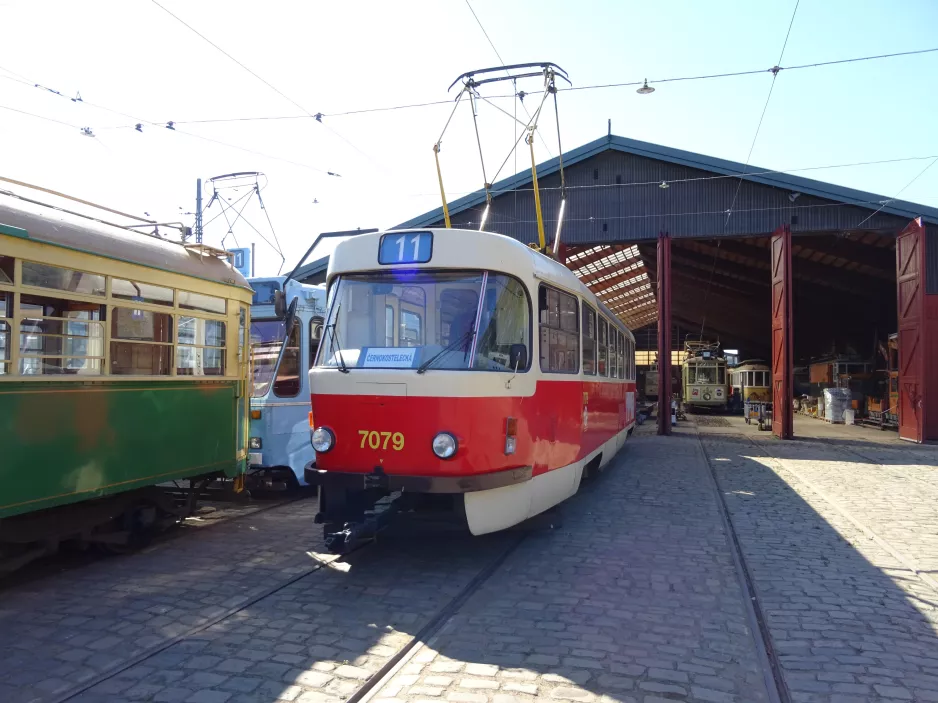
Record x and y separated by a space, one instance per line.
279 444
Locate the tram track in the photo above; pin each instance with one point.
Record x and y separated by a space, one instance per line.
424 635
62 563
907 562
767 654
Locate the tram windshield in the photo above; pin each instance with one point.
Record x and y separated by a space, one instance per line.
266 342
427 320
706 374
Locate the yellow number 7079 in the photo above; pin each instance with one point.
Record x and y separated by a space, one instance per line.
374 439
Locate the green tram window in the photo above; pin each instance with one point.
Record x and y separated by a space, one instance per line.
205 303
6 300
60 337
66 280
141 343
141 292
200 347
6 271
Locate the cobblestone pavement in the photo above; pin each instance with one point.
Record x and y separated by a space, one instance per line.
634 599
828 537
631 597
318 639
69 628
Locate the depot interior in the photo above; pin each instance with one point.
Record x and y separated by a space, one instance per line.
621 195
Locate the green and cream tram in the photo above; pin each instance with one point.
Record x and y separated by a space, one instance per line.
703 377
123 365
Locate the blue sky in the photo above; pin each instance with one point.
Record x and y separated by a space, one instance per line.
333 57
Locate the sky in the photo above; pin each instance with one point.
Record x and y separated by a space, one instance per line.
132 57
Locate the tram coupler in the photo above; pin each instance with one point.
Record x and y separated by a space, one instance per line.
354 534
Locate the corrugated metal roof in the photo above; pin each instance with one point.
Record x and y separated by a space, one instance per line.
312 268
868 202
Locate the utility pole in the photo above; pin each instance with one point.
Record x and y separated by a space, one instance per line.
198 212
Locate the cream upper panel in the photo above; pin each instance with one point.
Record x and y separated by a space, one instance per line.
470 249
46 225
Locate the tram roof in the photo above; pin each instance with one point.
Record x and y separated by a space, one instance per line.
492 251
46 224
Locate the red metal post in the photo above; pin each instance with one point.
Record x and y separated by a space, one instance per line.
918 331
664 333
782 337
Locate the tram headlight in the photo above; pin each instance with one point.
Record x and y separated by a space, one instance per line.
445 445
322 439
255 443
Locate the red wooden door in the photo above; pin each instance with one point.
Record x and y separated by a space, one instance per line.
782 342
910 256
664 333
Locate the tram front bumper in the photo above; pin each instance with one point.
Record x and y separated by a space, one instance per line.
354 480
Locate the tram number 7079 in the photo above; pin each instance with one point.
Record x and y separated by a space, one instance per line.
374 439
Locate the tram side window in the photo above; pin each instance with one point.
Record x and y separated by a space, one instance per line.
141 343
6 299
44 276
315 337
205 303
613 352
141 292
6 271
201 347
589 340
721 375
287 383
629 358
504 326
60 336
559 331
603 369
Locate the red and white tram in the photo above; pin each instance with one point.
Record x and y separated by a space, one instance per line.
465 369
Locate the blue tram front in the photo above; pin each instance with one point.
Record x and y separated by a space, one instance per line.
279 445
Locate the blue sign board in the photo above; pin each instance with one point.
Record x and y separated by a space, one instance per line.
242 261
405 248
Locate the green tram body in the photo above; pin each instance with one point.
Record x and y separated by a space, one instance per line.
102 393
704 378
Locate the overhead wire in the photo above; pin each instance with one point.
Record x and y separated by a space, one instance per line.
715 212
317 116
246 68
765 108
432 103
39 117
502 62
657 183
739 185
901 190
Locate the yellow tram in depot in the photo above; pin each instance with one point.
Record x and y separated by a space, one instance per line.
751 381
123 365
703 377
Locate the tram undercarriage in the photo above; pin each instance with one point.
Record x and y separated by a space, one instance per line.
352 517
355 507
114 524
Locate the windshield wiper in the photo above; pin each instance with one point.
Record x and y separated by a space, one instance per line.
468 335
337 345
